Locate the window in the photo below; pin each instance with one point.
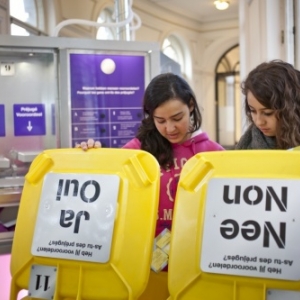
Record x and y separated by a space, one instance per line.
172 48
105 32
228 98
18 30
27 17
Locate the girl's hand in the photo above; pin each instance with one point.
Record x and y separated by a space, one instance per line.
89 144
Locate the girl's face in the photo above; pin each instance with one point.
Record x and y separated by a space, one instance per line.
172 120
263 118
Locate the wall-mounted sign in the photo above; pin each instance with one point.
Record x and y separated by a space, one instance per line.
252 227
42 281
29 119
106 97
7 69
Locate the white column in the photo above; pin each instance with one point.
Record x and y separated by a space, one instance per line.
261 26
266 33
297 34
288 30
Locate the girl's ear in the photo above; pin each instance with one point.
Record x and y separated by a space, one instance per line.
191 106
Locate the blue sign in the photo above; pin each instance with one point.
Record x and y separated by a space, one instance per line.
2 120
29 119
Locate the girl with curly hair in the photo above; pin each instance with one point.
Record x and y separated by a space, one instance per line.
272 106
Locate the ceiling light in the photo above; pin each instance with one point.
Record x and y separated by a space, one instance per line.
221 4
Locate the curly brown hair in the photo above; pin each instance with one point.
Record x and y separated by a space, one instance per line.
162 88
276 85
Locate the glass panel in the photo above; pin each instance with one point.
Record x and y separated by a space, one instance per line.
228 99
172 48
226 110
166 44
105 33
32 73
24 10
40 15
17 30
170 52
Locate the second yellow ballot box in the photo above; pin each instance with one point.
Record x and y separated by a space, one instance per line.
235 233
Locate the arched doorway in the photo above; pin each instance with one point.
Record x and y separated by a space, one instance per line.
228 98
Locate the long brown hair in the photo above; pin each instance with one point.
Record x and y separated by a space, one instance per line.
276 85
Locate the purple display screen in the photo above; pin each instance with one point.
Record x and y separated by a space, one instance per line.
106 97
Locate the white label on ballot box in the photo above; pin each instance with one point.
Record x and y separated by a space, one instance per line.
76 216
251 228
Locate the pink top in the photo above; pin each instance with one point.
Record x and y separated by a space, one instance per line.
169 178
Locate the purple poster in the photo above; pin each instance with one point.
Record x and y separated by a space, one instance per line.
29 119
106 97
2 120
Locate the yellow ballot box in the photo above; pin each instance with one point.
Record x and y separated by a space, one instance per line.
236 225
86 225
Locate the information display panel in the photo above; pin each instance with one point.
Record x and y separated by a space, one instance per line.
106 93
